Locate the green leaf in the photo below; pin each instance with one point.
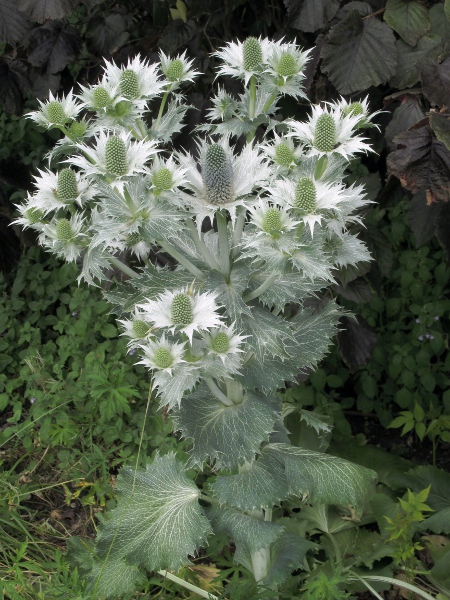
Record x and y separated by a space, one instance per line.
409 18
408 72
230 294
171 388
270 374
323 478
287 553
248 533
113 577
287 287
228 435
318 422
421 477
437 523
359 53
157 523
263 485
362 546
269 333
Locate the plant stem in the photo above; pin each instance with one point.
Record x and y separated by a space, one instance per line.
217 392
181 259
251 107
261 289
269 102
187 585
119 264
161 110
238 229
208 257
224 248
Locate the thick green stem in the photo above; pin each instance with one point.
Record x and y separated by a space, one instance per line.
161 110
238 229
224 248
181 259
187 585
217 392
119 264
251 107
207 256
261 289
269 102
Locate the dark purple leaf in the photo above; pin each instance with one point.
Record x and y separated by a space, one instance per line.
53 46
14 83
107 33
422 163
443 227
357 291
421 218
440 124
435 79
13 25
356 342
176 35
405 116
41 10
310 15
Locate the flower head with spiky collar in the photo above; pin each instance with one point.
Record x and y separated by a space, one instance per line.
176 70
244 59
161 354
284 72
65 237
61 190
56 112
136 328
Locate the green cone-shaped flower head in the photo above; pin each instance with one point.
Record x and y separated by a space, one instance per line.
220 343
55 112
272 222
116 156
101 98
252 54
78 128
175 70
163 180
67 188
129 84
287 65
163 358
140 328
305 195
325 133
181 310
283 155
354 109
34 215
64 231
217 174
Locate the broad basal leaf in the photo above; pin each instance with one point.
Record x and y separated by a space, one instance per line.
270 374
422 162
172 387
269 334
53 46
13 24
287 554
322 478
248 533
438 522
409 18
359 53
158 521
311 15
363 547
47 9
263 485
228 435
230 294
356 342
435 79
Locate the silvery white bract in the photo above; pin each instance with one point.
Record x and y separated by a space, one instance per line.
233 240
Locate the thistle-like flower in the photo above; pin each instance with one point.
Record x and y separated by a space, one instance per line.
359 108
162 355
164 177
137 329
225 181
223 108
271 219
176 70
137 82
328 131
183 311
114 155
56 113
283 152
244 59
284 73
225 344
65 237
61 190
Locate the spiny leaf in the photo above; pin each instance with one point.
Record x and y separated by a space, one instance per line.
228 435
268 332
158 521
230 294
13 24
359 53
408 18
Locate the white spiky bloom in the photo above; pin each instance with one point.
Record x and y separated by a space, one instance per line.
308 198
328 132
164 177
235 63
284 72
52 193
136 328
223 108
357 108
283 152
162 355
272 219
102 96
65 237
138 81
122 159
183 311
224 342
56 111
30 215
225 181
176 70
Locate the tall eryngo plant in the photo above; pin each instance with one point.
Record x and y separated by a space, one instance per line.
232 243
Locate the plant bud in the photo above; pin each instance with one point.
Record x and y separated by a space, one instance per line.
252 54
175 70
220 343
129 84
181 309
287 65
140 328
64 231
34 215
67 185
355 109
217 174
163 358
305 195
283 155
163 180
101 98
116 156
325 133
272 221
